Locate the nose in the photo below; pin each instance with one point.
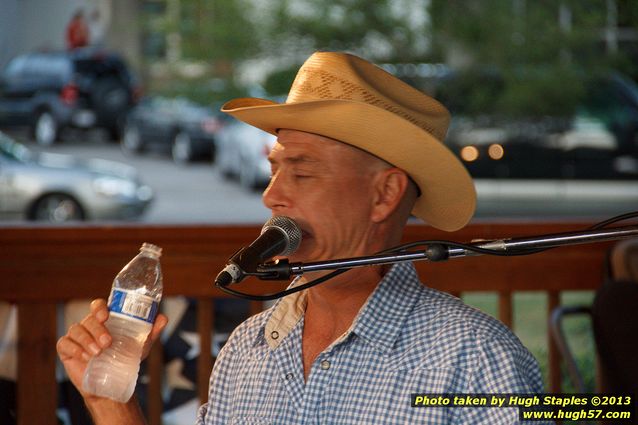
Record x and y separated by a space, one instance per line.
276 196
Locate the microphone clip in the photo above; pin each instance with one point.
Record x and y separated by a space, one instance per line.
275 270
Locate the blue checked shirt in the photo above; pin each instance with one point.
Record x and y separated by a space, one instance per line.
406 339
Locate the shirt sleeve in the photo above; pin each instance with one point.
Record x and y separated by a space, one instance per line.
503 366
201 414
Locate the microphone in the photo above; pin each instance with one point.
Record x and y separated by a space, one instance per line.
279 236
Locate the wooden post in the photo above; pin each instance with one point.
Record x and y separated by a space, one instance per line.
155 373
36 389
553 301
505 309
205 328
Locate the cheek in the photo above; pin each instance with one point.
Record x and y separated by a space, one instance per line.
339 214
337 202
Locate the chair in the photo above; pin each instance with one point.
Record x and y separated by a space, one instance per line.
614 316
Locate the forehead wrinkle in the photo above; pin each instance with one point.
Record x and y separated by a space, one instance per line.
293 159
300 159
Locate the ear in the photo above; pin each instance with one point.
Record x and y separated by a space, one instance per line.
389 187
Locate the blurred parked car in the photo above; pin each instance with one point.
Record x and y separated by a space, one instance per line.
50 91
178 126
583 164
242 152
59 188
523 179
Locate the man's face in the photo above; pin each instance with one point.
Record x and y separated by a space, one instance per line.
326 187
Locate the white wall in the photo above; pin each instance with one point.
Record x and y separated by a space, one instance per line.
27 25
8 27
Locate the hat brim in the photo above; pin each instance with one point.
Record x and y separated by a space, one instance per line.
448 196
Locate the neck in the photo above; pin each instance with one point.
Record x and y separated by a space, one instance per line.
341 297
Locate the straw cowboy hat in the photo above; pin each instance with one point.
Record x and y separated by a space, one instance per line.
346 98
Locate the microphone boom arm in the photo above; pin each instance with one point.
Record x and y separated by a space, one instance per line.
442 250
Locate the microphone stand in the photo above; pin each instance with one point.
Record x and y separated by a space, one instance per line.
441 250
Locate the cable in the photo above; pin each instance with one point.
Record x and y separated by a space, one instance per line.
268 297
615 219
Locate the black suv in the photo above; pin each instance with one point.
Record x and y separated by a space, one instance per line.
82 88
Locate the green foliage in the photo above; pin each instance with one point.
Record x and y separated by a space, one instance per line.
522 58
202 90
216 31
544 55
380 27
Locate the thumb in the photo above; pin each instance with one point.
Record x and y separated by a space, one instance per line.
160 323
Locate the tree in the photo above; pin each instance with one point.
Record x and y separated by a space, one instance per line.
205 41
217 31
380 30
543 51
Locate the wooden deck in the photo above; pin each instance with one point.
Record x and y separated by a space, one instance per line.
41 267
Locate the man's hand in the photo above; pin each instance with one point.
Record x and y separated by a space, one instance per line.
89 337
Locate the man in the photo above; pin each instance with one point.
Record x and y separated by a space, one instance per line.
77 31
358 152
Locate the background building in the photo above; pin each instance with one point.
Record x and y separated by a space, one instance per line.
40 24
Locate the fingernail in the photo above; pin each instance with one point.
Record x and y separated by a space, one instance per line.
105 340
94 349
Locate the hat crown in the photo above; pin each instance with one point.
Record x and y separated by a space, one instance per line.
340 76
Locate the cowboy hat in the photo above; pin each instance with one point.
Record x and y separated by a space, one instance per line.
344 97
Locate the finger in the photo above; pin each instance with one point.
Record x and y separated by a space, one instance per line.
97 329
100 310
68 349
80 335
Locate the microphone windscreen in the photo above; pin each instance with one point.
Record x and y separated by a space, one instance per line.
289 228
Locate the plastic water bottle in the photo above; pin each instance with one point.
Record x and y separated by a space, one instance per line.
133 306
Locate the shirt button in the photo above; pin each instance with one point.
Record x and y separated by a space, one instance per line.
289 376
274 334
325 365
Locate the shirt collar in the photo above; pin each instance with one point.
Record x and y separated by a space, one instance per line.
284 317
379 321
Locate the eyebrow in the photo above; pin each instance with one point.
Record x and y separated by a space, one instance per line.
298 159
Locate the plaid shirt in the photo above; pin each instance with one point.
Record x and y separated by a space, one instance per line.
406 339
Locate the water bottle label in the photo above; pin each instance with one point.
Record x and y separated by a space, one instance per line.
133 305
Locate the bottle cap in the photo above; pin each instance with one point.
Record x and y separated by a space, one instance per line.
151 249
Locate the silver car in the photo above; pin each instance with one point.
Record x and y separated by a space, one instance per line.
242 152
60 188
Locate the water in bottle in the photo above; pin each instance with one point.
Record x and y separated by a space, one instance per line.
133 305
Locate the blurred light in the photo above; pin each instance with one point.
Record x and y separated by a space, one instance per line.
496 151
69 94
469 153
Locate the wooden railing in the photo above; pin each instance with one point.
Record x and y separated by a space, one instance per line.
41 267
